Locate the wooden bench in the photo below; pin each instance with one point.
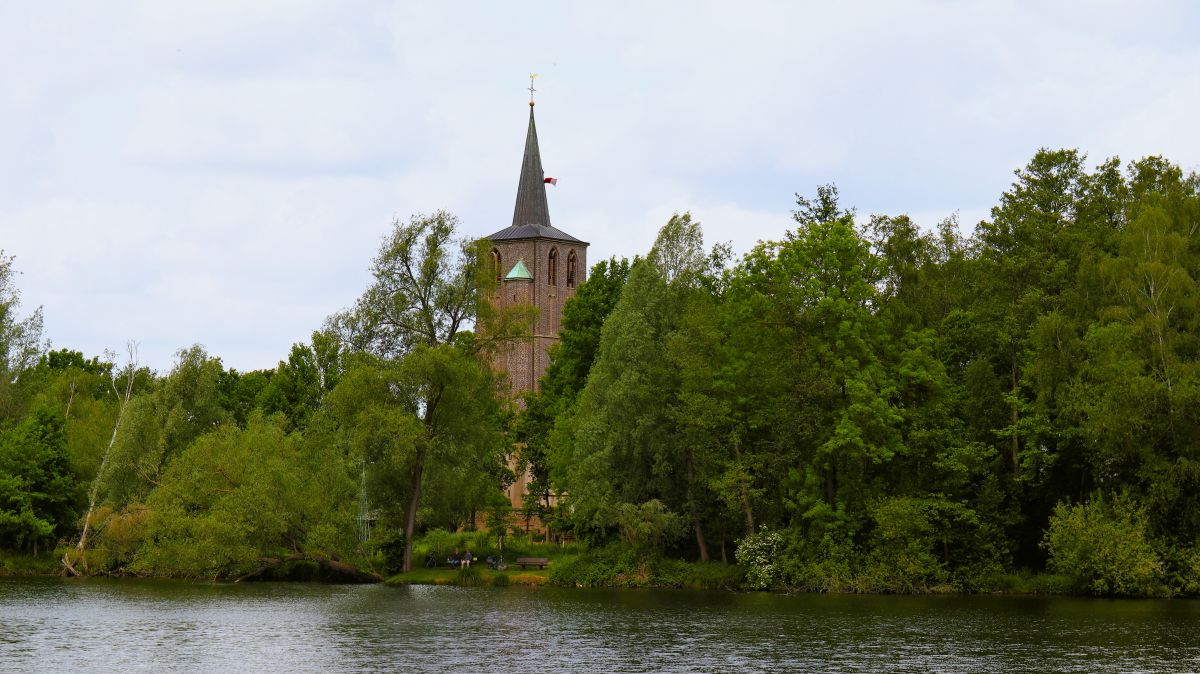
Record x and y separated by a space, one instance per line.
539 562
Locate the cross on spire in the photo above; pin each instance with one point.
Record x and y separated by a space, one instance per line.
532 77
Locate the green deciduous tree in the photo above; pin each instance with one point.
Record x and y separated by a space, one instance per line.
625 443
39 493
427 379
236 496
20 338
570 362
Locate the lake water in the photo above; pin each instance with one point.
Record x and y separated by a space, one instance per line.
123 625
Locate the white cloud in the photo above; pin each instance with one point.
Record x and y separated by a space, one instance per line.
222 172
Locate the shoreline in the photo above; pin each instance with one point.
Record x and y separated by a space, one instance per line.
522 579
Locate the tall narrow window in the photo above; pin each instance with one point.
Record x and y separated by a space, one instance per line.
571 269
496 267
552 272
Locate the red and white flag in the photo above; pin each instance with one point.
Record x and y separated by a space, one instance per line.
551 181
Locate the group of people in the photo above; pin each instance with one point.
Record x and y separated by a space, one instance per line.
463 560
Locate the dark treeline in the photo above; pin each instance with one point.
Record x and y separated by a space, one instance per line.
861 405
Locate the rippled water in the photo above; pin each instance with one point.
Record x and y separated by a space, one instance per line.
106 625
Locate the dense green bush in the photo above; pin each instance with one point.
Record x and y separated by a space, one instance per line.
1102 544
830 568
901 558
620 566
597 568
1182 569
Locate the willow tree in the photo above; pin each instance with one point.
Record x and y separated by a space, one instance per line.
419 372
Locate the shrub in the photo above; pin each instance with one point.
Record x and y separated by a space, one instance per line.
759 554
714 576
901 560
830 570
610 566
468 576
1104 547
649 526
500 580
1183 569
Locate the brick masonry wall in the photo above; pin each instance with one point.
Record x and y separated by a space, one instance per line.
526 362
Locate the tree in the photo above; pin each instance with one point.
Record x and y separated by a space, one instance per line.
571 360
20 338
424 290
427 380
123 397
624 446
162 422
39 495
236 497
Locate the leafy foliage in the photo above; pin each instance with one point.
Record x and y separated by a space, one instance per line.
864 403
39 494
1103 544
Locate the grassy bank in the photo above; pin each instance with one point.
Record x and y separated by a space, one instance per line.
12 564
619 567
572 567
476 576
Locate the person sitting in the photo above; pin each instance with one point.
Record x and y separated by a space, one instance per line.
455 560
466 559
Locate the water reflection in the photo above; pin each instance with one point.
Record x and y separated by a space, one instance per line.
48 624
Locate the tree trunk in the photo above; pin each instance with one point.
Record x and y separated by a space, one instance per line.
70 400
1016 417
747 510
700 541
691 477
131 369
410 515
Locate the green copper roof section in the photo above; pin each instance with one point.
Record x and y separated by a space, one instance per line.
519 272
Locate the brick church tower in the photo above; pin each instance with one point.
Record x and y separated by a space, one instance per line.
535 264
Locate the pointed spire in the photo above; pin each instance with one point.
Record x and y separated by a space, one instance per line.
531 191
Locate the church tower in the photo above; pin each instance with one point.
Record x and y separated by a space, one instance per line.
535 264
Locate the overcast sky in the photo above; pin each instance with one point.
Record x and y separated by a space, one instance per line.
221 172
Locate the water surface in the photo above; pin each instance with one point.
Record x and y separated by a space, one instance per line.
125 625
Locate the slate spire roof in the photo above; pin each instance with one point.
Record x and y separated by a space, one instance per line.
531 217
531 191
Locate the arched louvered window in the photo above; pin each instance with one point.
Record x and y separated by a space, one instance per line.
496 266
552 268
571 269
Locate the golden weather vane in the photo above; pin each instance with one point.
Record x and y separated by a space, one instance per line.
532 77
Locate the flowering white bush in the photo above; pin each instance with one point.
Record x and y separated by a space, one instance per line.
759 553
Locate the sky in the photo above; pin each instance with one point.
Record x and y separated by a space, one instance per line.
222 172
